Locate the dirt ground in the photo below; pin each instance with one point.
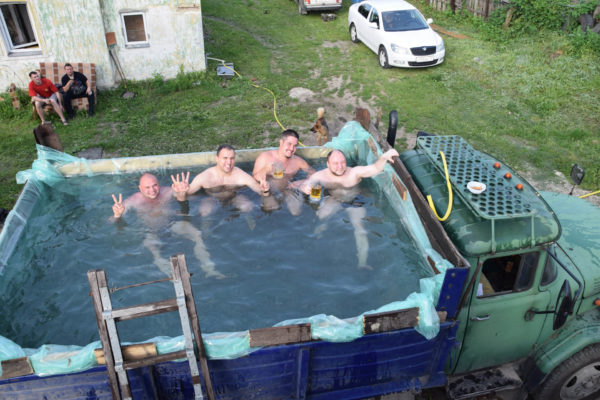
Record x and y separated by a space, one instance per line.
336 115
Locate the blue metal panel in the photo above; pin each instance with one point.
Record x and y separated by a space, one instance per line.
90 385
369 366
452 290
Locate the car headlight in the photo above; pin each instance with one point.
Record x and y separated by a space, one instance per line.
398 49
439 47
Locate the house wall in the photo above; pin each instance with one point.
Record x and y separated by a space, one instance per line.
74 31
175 37
67 31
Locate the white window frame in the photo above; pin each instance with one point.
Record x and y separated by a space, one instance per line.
137 43
23 49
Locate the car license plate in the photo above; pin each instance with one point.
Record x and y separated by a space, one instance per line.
424 58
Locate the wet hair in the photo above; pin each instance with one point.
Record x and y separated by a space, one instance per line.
225 146
68 65
32 73
288 133
332 151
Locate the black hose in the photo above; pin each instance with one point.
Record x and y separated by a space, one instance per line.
392 127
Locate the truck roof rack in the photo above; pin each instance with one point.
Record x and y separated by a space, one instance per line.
507 196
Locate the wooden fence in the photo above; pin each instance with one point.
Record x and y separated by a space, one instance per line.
480 8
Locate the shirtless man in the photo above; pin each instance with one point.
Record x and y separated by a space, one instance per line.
342 184
150 204
222 183
271 163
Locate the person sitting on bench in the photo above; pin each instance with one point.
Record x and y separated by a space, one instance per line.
76 85
43 91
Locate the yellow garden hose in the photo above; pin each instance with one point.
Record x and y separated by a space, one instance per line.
589 194
268 90
450 196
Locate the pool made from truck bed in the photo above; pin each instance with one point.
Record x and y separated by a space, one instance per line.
276 266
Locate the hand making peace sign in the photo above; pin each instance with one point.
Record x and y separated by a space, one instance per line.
118 208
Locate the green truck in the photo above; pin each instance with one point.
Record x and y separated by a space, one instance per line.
529 315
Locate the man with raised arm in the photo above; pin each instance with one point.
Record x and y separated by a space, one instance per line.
279 166
222 183
341 183
151 204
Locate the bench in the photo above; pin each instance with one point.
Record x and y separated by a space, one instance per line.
54 72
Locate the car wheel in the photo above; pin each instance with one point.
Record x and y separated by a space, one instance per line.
383 58
353 34
302 8
578 378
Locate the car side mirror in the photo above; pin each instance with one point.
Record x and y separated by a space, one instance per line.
564 305
373 25
429 21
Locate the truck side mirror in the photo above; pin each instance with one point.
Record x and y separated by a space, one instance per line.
564 305
577 174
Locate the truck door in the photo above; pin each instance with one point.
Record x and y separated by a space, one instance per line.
497 330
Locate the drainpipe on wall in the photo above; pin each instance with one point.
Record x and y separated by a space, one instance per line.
104 16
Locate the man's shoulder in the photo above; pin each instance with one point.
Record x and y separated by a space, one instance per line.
266 155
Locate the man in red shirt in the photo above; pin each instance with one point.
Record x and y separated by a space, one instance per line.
43 91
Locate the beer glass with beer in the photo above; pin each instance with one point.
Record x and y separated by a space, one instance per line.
277 170
315 192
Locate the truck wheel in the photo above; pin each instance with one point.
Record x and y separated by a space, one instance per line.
302 8
383 58
578 378
353 34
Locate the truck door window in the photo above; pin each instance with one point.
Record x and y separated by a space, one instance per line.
550 271
507 274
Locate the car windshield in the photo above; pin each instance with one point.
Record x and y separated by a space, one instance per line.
403 20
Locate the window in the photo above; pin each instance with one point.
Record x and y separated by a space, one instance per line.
364 10
507 274
17 30
374 17
134 29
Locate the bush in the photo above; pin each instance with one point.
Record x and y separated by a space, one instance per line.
7 111
531 15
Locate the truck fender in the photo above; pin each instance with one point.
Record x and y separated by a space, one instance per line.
582 332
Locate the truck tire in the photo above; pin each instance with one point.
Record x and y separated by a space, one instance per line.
578 378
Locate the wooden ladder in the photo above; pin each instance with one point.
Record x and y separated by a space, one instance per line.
107 317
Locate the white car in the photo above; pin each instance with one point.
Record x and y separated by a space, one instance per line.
397 32
304 6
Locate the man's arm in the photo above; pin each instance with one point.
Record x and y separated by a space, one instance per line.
244 179
377 167
261 167
198 182
85 81
305 167
305 185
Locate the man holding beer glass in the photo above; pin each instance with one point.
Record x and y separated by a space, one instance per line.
278 167
341 183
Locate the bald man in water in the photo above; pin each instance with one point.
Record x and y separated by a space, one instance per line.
150 203
341 183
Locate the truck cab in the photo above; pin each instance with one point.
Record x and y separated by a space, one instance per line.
531 297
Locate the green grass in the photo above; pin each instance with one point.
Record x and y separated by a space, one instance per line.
532 101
